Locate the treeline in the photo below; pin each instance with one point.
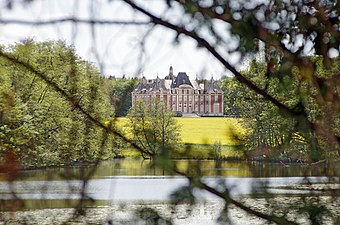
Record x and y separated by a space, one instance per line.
43 128
273 133
38 124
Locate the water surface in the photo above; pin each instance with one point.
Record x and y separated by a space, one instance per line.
138 180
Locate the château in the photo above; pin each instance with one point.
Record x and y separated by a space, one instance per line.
182 95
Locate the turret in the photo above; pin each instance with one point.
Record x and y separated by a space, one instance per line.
170 76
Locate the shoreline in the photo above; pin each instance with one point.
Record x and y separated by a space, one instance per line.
89 164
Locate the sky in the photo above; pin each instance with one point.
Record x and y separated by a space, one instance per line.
115 49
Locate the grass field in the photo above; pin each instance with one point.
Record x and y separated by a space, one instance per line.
206 130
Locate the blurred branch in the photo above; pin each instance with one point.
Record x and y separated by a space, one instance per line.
203 42
71 99
72 20
295 111
228 199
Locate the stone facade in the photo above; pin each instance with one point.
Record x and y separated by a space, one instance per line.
182 95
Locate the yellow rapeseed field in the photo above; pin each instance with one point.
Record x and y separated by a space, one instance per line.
206 130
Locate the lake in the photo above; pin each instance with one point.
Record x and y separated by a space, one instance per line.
137 180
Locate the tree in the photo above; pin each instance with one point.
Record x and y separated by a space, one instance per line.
121 94
36 121
230 88
268 133
153 127
270 130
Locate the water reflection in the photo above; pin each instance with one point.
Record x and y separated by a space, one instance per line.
134 180
134 167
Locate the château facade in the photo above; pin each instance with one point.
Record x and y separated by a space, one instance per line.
182 95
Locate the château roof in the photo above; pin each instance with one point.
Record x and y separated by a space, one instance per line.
171 75
181 79
211 86
177 82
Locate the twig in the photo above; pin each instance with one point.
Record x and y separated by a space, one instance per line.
72 20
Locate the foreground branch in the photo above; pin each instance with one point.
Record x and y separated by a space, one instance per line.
71 99
227 198
202 42
72 20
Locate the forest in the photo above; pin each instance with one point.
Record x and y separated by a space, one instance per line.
40 124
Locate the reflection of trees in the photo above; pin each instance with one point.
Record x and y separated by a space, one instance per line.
281 26
260 169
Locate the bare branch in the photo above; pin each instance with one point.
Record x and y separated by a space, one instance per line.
70 99
72 20
227 198
218 56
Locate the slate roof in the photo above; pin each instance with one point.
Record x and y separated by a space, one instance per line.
172 82
211 86
144 85
181 79
158 84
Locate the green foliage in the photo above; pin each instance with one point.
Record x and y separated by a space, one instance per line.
120 94
270 130
153 127
230 90
36 121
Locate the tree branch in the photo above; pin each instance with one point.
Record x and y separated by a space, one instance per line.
227 198
69 98
72 20
202 42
